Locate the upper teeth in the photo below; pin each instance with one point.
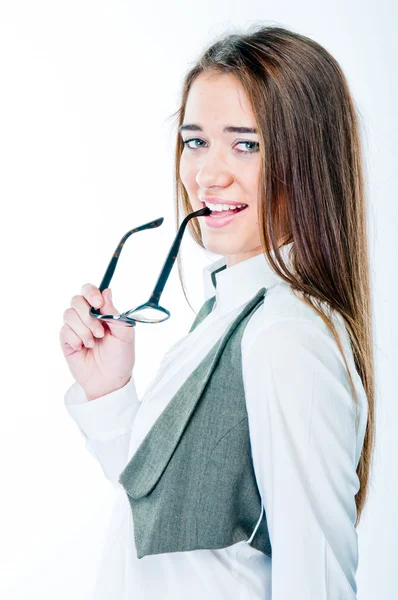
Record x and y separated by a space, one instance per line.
221 207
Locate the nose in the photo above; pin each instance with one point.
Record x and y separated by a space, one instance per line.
213 170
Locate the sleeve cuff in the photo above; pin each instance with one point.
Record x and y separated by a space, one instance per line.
105 417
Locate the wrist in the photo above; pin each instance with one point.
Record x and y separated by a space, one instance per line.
93 394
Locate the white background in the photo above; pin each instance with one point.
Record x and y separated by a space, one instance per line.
86 153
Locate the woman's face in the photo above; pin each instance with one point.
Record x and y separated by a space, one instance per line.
222 164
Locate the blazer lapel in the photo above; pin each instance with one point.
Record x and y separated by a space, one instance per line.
149 461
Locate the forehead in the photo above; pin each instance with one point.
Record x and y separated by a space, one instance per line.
220 97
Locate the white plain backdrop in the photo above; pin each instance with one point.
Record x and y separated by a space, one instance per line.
86 153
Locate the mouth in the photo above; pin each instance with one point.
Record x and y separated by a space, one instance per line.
218 214
221 218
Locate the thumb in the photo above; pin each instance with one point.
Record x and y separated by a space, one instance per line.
108 308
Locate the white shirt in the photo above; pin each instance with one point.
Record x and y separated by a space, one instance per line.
305 450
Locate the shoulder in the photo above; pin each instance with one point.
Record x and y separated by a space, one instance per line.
282 302
284 329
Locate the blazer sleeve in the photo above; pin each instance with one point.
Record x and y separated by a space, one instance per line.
105 424
301 416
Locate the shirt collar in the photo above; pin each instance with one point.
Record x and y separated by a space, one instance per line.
233 286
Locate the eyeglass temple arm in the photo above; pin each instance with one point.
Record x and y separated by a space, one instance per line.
171 257
113 262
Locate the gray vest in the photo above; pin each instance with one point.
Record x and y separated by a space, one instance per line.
191 483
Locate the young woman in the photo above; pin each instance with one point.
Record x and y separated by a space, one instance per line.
243 471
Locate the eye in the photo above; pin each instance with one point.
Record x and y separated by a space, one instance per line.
250 142
255 149
186 142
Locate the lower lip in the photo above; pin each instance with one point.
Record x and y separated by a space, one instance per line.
222 221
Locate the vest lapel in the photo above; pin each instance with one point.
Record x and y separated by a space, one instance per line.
146 466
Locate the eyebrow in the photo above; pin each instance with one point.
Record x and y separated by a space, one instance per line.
227 129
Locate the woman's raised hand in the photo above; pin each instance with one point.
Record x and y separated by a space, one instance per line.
100 355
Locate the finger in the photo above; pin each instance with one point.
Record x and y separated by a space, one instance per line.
73 319
108 308
69 338
82 307
92 294
94 297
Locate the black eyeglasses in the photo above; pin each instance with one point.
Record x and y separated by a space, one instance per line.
151 311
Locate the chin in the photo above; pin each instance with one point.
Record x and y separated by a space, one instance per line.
222 246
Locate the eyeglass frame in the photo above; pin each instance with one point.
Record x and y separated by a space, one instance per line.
154 298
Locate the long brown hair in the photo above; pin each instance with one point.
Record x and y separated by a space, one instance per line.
311 182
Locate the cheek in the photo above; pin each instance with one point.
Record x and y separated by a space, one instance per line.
187 173
252 217
251 179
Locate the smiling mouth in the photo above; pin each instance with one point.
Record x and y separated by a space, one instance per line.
223 213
